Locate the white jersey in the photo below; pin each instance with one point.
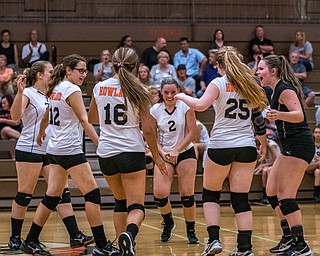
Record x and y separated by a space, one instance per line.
171 126
120 131
232 125
31 120
64 127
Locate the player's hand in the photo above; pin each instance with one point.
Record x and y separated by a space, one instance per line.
161 165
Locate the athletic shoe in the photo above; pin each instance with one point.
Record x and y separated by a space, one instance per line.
192 238
126 244
15 242
212 248
33 247
167 231
305 251
282 246
235 252
81 240
108 249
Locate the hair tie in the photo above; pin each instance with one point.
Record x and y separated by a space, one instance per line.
120 65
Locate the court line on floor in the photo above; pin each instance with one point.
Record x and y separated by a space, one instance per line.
223 229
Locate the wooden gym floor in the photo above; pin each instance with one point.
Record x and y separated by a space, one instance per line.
266 232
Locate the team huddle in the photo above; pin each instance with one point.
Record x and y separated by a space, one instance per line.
49 102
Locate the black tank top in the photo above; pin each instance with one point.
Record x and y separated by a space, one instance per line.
9 52
287 129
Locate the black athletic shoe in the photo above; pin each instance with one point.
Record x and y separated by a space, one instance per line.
15 242
167 231
126 244
109 250
81 240
293 251
282 246
192 238
33 247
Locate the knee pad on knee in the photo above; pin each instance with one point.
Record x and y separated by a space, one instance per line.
240 202
66 198
161 202
135 207
51 202
93 196
273 200
187 201
210 196
120 205
288 206
23 199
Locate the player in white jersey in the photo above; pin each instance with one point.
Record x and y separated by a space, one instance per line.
65 115
118 105
30 104
176 124
232 149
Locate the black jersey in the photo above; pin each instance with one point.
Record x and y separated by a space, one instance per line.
287 129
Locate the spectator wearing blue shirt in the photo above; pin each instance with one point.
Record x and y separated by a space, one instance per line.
192 58
209 73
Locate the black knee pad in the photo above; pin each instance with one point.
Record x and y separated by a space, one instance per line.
288 206
51 202
240 202
120 205
135 207
93 196
23 199
161 202
210 196
187 201
149 160
66 198
273 200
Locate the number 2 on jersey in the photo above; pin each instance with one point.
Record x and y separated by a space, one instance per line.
119 115
234 104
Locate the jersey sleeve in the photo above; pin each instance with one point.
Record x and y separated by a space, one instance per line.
154 111
27 92
71 89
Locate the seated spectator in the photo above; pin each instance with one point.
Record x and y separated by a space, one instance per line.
149 56
260 44
9 129
209 73
301 73
253 65
304 48
9 49
34 50
314 166
201 141
102 70
162 70
218 40
6 76
192 58
188 83
154 94
144 75
126 42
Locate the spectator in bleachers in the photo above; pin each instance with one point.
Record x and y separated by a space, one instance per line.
154 94
9 49
209 73
188 83
6 76
304 47
253 65
314 166
34 50
9 129
144 75
260 44
163 69
102 70
301 73
149 55
192 58
126 42
218 40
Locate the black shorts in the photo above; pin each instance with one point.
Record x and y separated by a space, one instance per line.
225 156
126 162
23 156
190 153
66 162
300 147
